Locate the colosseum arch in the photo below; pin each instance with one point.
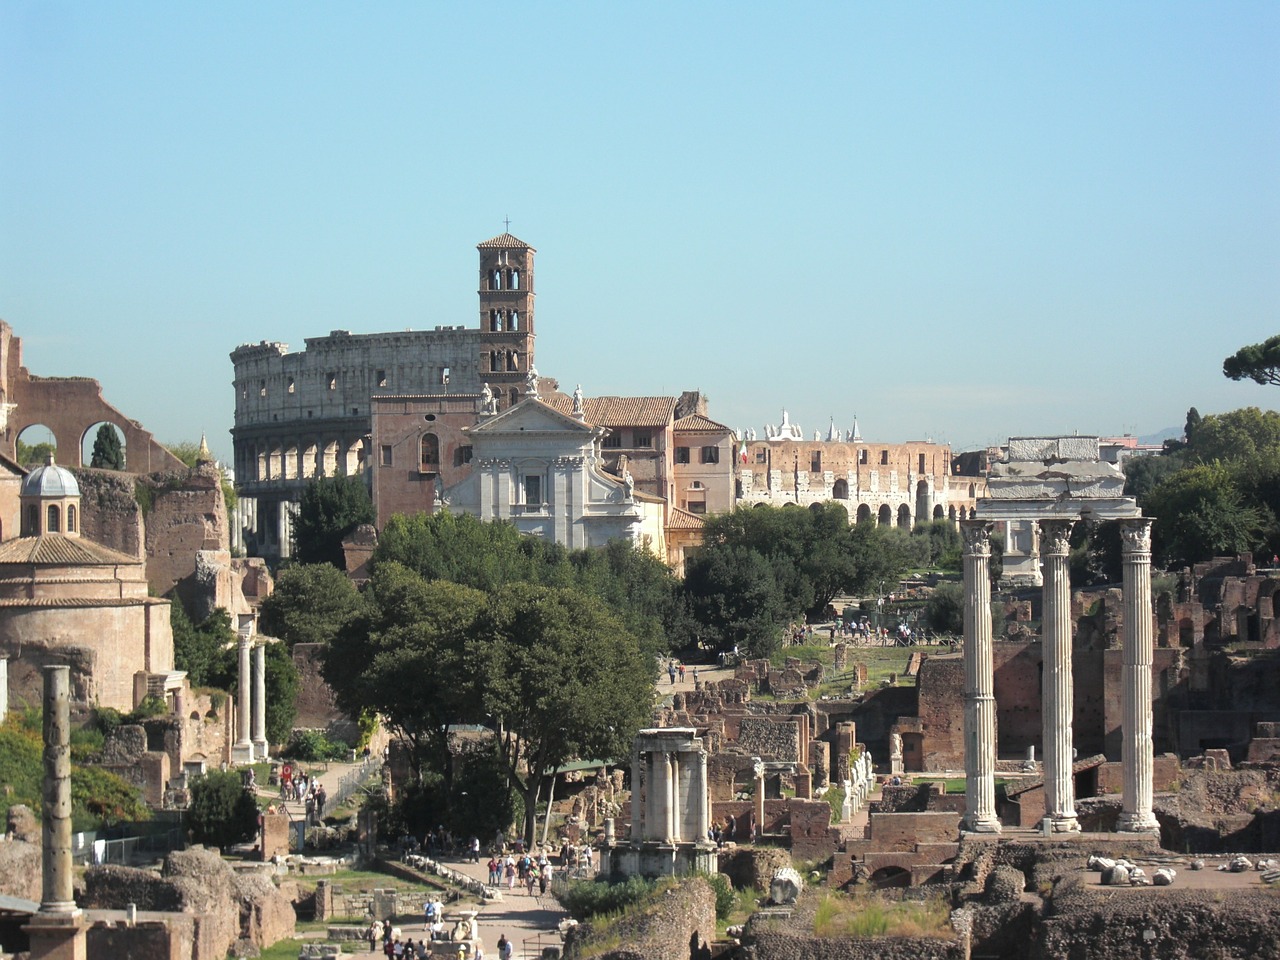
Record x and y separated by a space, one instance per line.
864 513
886 515
904 517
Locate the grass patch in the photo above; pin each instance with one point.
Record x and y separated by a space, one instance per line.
868 915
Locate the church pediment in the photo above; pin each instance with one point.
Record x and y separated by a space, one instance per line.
530 416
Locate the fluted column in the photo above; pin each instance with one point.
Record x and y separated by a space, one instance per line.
979 682
259 711
1057 705
1137 751
673 818
700 790
243 699
637 820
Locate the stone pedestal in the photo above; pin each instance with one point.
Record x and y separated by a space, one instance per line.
1137 749
979 682
1059 785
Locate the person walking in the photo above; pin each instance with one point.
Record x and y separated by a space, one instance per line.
375 934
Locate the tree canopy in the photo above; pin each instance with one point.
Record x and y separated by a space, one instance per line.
108 453
1259 362
330 508
310 604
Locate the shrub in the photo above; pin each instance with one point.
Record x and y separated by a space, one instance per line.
222 811
312 746
726 899
585 899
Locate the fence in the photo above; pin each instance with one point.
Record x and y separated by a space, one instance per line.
92 847
353 780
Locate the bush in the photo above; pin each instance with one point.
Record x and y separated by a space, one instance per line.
726 898
312 746
585 899
222 811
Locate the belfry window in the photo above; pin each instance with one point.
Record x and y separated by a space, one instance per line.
513 321
515 279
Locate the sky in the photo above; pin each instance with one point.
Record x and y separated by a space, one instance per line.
957 221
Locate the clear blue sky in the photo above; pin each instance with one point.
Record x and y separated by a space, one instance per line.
963 221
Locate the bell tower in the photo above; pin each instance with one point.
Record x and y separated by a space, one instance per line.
506 316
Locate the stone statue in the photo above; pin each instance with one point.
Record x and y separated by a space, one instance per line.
531 382
489 400
577 402
757 768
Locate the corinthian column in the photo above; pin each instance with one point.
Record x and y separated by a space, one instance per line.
243 744
259 710
979 682
637 817
1137 752
1059 789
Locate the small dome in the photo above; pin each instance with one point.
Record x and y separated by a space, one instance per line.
50 480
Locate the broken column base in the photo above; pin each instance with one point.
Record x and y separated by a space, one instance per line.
242 753
1050 826
57 936
1134 823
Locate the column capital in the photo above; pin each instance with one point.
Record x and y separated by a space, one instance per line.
1135 536
1055 537
977 537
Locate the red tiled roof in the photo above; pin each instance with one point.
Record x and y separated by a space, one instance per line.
504 240
57 549
620 411
680 519
697 423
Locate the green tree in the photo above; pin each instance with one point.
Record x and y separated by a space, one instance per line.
463 549
1259 362
310 604
108 453
1201 512
222 812
1236 435
562 679
199 649
281 681
735 596
36 454
402 655
942 543
944 610
331 507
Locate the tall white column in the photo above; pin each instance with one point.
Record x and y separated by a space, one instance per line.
701 791
979 682
1057 706
1137 750
4 688
673 806
259 711
243 745
661 798
637 818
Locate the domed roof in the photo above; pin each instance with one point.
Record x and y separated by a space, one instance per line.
50 480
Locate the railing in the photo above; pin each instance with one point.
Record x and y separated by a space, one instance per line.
353 780
90 848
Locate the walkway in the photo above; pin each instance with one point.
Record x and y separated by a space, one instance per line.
531 923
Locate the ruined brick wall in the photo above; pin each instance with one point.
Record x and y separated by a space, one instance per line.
902 831
941 713
770 738
188 514
317 705
109 511
664 929
811 837
167 937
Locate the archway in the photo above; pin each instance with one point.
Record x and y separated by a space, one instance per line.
890 877
937 512
33 443
102 445
840 490
864 513
904 516
886 515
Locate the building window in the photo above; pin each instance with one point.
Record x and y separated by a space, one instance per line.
862 456
333 381
430 451
495 362
386 454
513 321
613 441
289 386
262 388
515 279
495 321
921 463
462 455
762 456
884 457
815 462
54 524
71 519
682 454
513 360
710 454
643 439
532 491
33 521
696 485
382 378
444 376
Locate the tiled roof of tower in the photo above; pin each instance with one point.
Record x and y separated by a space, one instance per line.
680 519
505 241
697 423
620 411
60 550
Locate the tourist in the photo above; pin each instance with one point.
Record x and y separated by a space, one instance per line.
506 950
671 671
374 934
682 673
544 876
475 849
731 828
495 872
321 796
530 878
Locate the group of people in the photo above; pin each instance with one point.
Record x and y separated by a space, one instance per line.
528 871
730 830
